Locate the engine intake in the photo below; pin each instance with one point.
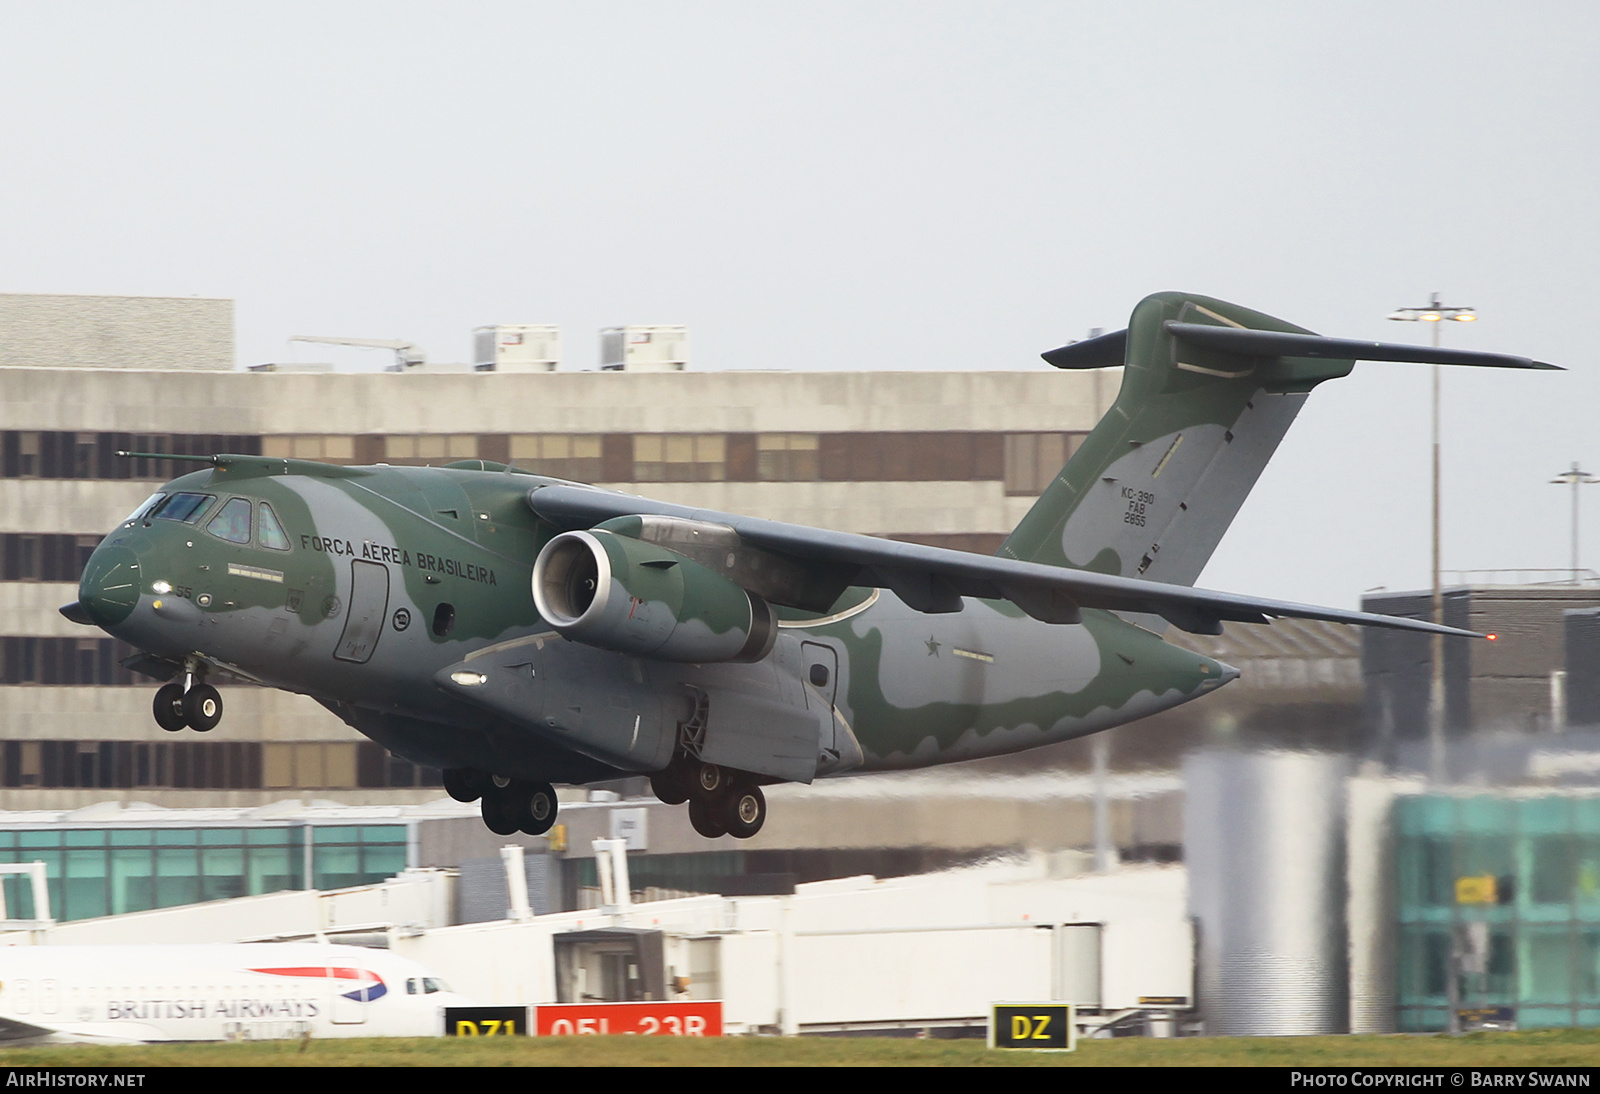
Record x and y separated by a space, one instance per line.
617 593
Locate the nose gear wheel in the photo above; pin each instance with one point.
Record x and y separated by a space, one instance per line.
202 708
168 707
196 706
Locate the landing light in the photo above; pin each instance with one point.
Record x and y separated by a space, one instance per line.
162 587
468 679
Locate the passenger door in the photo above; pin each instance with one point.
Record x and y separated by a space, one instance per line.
366 613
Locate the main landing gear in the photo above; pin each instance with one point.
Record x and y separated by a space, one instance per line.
508 805
189 703
722 802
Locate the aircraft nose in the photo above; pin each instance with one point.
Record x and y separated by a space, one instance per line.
109 589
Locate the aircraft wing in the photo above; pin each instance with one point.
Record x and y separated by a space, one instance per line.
934 579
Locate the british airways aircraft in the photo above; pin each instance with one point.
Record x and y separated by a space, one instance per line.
246 991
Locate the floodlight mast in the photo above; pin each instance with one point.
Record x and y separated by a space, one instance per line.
1574 478
1436 314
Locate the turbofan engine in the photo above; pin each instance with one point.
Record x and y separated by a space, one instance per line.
621 594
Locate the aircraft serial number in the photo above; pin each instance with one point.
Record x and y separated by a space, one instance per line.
1137 501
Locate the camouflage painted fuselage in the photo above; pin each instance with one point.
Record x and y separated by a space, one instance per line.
402 602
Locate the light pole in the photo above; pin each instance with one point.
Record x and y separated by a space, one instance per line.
1436 314
1574 478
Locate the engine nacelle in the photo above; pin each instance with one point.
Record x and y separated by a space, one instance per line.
617 593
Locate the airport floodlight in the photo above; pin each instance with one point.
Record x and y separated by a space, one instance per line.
1574 478
1436 313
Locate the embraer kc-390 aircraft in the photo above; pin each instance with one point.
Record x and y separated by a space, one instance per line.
517 630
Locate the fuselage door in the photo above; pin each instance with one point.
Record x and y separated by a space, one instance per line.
819 668
837 748
364 618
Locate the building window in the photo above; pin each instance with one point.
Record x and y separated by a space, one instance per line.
30 458
25 557
322 447
787 457
563 456
426 448
680 457
86 455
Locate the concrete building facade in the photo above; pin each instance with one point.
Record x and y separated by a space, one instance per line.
137 332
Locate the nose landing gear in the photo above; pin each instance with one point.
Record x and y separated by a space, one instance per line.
189 703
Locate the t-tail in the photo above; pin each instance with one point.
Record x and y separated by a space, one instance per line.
1208 391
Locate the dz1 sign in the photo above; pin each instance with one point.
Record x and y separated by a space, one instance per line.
485 1021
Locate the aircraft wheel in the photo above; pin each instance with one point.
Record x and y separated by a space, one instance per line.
744 811
705 818
202 708
496 816
708 782
458 783
168 707
670 785
539 812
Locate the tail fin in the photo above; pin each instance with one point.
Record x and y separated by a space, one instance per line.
1208 391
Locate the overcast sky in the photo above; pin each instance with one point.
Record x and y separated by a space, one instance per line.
873 185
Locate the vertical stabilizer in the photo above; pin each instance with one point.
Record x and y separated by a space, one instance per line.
1153 488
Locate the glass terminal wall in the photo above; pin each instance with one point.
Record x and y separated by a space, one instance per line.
1528 870
108 871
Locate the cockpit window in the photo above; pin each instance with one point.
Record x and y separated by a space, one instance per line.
185 507
233 523
144 506
270 532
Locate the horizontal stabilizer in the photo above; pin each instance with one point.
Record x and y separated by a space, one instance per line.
1271 343
1109 350
1106 351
